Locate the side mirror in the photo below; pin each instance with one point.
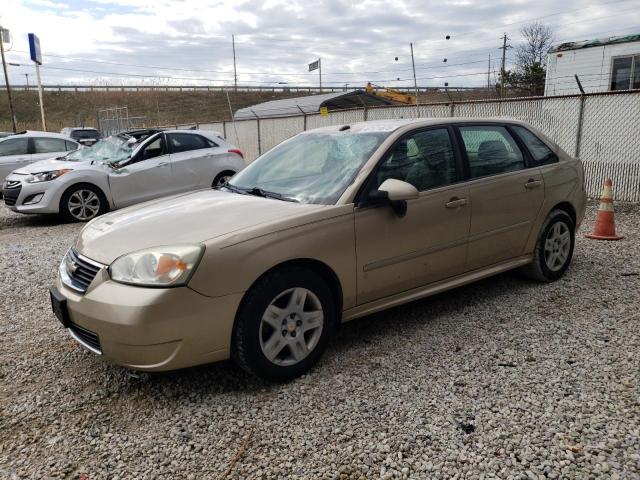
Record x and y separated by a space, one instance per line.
396 192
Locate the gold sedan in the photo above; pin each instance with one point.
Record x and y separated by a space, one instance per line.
330 225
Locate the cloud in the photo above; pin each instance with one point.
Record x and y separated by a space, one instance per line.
189 42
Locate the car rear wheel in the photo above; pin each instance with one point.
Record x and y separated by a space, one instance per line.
284 324
222 179
554 248
82 203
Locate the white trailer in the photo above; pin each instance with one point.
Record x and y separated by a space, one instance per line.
602 65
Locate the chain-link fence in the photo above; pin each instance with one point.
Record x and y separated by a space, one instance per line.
603 130
115 120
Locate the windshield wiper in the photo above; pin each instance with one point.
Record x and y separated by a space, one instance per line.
259 192
233 188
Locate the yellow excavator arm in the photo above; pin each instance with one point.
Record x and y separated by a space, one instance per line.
390 94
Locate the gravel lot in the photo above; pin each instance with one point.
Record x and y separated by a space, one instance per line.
500 379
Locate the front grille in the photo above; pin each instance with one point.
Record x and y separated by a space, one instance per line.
80 270
11 194
86 337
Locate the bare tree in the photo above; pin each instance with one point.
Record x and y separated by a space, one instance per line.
529 73
533 52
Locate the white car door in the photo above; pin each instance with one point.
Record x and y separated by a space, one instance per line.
192 160
45 148
14 153
145 177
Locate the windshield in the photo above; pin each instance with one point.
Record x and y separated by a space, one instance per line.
311 167
110 150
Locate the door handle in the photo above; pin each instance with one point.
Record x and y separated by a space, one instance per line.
456 202
163 164
531 183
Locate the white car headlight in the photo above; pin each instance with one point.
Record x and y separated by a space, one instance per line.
46 176
169 266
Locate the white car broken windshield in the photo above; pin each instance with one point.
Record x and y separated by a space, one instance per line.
110 150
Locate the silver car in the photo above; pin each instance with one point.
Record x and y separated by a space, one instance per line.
21 149
120 171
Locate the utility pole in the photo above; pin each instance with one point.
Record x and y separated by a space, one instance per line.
320 72
415 82
6 80
489 74
235 73
504 48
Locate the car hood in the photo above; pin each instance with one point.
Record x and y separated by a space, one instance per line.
189 218
46 166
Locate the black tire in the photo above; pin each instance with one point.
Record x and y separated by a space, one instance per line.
218 181
246 349
539 269
70 214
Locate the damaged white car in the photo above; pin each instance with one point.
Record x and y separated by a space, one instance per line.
121 171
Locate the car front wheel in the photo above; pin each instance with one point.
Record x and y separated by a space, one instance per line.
82 203
284 324
554 248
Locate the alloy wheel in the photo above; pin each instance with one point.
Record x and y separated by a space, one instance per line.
557 246
222 181
291 326
83 204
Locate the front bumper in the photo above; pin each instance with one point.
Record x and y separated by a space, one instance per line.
152 329
14 198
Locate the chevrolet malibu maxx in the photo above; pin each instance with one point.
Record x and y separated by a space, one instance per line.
330 225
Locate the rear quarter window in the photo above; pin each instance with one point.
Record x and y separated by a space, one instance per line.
541 154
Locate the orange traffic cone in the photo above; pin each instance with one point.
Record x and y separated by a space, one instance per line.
605 228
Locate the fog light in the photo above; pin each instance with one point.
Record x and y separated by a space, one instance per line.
32 199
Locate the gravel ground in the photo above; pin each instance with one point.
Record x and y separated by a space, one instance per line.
501 379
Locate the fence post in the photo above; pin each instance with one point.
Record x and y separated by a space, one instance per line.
304 118
259 141
579 132
224 129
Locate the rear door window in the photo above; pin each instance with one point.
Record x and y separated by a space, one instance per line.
185 142
48 145
14 146
490 150
540 153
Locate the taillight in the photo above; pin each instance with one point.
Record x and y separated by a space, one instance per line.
236 151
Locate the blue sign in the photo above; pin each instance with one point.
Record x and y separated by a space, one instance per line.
34 48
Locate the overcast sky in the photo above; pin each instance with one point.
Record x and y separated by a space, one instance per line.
189 42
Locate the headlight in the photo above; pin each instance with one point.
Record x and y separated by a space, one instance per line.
46 176
158 266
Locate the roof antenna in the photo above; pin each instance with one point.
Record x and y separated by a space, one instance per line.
343 128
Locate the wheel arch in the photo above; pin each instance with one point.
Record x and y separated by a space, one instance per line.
568 208
320 268
224 171
87 184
